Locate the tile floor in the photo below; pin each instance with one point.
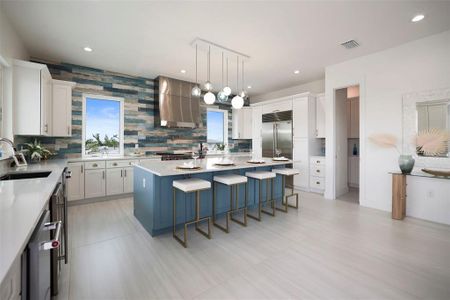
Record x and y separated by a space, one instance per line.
327 249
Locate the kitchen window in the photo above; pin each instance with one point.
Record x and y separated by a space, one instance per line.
103 125
217 126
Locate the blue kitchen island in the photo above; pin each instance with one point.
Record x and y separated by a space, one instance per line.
153 205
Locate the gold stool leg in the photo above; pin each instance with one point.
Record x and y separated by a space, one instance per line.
296 199
198 219
227 216
258 217
271 201
183 241
236 208
284 201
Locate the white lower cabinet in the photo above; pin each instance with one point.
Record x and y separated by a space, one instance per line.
317 174
128 180
10 288
301 181
75 184
119 181
114 181
95 183
91 179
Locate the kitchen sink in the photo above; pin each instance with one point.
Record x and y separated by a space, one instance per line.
24 175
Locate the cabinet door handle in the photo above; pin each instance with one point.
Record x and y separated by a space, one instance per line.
46 127
114 164
95 165
103 172
318 171
121 173
68 130
317 182
82 169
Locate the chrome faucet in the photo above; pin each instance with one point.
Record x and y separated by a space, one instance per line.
10 143
14 152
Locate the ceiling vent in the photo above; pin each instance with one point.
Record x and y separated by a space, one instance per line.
350 44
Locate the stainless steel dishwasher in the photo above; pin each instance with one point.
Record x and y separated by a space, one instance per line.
36 271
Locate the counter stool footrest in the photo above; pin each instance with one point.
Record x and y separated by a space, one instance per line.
243 223
296 200
273 208
225 228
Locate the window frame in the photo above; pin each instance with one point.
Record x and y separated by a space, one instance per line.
121 121
225 123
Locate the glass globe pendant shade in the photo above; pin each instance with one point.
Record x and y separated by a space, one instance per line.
221 96
237 102
227 90
208 86
243 94
196 91
209 98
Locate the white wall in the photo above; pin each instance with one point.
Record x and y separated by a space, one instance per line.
384 77
11 47
315 87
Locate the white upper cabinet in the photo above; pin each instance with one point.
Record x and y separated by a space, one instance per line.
62 108
301 117
320 116
283 104
256 122
242 123
32 98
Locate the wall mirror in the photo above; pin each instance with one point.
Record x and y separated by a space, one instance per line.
425 111
431 115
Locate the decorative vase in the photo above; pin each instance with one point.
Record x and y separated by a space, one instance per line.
406 163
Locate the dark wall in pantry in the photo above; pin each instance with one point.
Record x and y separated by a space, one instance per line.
138 113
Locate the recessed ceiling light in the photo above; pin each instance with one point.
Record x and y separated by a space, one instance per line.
183 71
249 86
87 49
297 72
417 18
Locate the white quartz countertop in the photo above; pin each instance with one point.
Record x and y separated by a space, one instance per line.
126 157
22 202
208 164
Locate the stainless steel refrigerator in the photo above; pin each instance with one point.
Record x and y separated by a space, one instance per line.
277 134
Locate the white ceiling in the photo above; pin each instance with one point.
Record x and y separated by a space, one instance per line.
153 38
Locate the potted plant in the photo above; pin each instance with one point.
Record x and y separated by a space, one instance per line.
36 151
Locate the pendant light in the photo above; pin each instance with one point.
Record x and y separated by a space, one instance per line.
237 102
227 89
196 91
209 97
243 94
208 84
221 96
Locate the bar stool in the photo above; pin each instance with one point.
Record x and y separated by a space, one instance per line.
187 186
286 172
260 176
233 181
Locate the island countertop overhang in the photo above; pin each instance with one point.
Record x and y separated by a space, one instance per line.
169 168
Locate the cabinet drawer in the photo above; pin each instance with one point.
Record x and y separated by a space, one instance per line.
99 164
318 170
317 160
123 163
317 183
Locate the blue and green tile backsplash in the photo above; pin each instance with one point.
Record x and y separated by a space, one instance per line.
139 114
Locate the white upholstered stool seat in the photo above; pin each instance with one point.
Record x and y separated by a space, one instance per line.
260 175
230 179
286 171
191 184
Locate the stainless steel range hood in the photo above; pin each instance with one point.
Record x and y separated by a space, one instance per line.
176 107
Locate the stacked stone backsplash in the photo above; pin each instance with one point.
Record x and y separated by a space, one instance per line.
138 113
